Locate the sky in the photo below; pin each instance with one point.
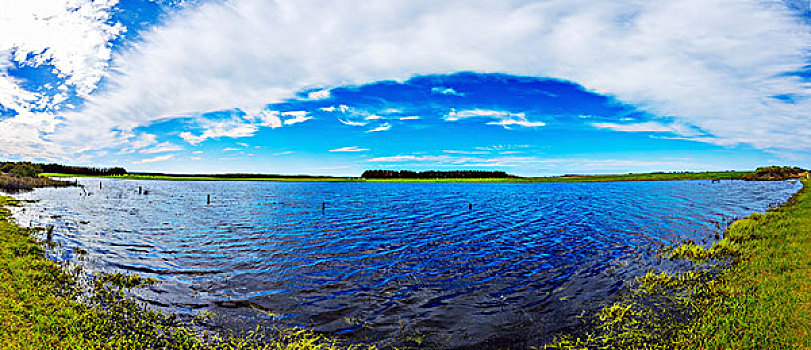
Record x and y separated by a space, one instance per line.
533 88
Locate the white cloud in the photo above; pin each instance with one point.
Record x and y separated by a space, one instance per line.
520 122
446 91
647 127
143 140
382 127
234 127
231 149
360 117
352 123
453 151
265 117
161 148
298 117
502 147
70 35
155 159
17 133
349 149
543 165
411 117
714 64
503 118
319 94
341 108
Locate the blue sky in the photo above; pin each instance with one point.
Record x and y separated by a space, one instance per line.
299 87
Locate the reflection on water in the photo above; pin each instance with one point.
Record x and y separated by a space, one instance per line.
387 259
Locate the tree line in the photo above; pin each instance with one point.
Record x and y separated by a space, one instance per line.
28 169
433 174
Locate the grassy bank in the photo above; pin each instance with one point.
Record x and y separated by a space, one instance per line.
46 306
761 300
726 175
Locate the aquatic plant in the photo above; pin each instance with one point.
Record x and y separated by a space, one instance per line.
11 183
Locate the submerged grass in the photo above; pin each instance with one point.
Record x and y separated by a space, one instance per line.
10 183
46 306
761 299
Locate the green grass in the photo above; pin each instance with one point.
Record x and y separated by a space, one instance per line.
47 306
721 175
736 175
761 299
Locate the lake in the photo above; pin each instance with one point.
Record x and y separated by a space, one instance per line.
457 264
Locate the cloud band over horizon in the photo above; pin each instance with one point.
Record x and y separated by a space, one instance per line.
721 72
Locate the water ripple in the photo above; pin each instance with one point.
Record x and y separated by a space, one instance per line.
392 258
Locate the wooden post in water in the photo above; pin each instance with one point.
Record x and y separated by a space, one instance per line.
139 190
99 184
208 199
470 206
323 206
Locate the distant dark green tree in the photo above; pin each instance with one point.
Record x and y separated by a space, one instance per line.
432 174
775 172
24 170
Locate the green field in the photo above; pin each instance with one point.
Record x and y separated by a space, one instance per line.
727 175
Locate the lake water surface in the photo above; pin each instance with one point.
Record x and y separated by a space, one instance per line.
385 261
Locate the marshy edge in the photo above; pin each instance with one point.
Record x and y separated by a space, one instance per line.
759 299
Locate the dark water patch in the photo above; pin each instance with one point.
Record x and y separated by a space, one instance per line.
395 263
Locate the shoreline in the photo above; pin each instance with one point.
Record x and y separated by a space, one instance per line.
722 323
45 304
687 176
761 296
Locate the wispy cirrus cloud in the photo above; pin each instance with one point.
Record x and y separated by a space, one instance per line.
155 159
358 117
502 118
652 126
381 127
349 149
162 147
